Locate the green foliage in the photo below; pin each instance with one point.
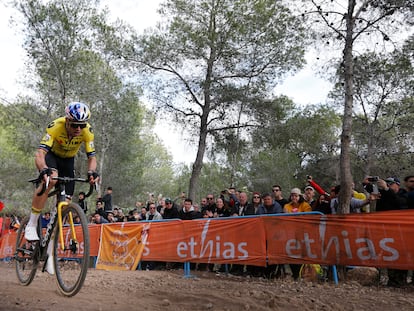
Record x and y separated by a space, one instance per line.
210 66
293 143
208 59
71 63
382 131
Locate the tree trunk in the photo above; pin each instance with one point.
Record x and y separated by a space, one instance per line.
370 148
100 168
198 164
345 161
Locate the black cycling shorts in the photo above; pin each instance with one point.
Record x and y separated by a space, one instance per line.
65 168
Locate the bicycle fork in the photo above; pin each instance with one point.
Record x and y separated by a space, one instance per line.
74 240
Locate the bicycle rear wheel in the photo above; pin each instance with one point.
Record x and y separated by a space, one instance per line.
71 264
25 256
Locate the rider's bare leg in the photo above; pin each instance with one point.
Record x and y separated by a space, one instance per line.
38 202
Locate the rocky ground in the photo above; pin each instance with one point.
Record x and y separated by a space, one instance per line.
170 290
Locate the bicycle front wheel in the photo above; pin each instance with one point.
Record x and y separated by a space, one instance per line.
26 256
71 261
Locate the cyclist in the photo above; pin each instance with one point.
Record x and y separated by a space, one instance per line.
55 157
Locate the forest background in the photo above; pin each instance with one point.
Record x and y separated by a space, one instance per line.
210 68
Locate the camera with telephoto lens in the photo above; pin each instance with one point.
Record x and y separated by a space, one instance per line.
373 179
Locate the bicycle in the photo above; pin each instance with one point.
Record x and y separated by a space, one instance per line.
70 242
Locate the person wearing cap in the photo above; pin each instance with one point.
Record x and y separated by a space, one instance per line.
386 199
396 277
309 195
395 185
297 203
170 210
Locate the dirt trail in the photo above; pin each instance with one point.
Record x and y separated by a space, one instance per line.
169 290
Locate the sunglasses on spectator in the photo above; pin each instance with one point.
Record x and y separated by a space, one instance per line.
76 125
256 197
209 198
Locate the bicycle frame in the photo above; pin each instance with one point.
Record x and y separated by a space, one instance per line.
49 229
60 205
70 267
60 224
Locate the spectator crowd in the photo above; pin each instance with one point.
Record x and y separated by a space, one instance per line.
378 195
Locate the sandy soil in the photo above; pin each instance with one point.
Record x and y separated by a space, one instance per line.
169 290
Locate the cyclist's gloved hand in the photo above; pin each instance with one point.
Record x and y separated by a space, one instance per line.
46 171
93 176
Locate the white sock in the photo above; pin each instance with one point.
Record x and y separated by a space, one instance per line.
50 248
33 220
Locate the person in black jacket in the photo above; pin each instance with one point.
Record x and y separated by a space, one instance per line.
170 210
188 212
107 200
387 200
82 203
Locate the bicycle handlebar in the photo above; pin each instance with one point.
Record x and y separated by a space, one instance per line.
63 180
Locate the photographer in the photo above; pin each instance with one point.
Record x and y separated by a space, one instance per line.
385 198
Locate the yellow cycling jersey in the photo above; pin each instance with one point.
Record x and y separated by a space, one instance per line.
57 141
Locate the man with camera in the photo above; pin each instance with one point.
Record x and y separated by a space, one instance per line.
385 198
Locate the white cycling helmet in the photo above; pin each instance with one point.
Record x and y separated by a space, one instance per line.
77 112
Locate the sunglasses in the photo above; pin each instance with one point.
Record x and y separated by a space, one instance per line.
76 125
256 197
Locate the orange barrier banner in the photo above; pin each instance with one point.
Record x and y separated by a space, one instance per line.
382 239
121 246
378 240
1 227
94 239
8 243
226 240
